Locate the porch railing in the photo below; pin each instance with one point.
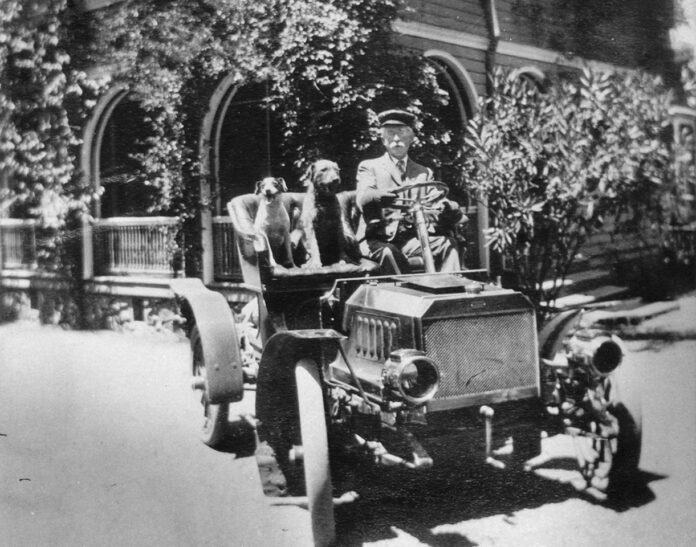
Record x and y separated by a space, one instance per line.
225 259
135 245
681 241
17 244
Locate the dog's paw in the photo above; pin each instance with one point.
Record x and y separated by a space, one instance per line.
310 264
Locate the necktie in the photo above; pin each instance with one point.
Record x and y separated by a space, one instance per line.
401 166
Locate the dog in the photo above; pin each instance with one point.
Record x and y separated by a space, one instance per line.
272 220
322 223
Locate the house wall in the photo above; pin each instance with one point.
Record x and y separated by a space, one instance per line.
552 36
459 15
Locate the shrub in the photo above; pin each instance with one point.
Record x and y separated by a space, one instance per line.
556 165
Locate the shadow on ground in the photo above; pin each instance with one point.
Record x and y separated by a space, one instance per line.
423 501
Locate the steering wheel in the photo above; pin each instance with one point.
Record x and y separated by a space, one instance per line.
425 193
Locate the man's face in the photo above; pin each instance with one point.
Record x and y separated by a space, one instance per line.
397 139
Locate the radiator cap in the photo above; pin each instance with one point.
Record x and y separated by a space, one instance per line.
443 284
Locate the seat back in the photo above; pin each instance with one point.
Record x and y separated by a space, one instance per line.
261 274
253 251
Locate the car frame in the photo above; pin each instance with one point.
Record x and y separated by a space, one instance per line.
380 367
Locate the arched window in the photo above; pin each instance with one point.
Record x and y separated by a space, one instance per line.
124 136
533 77
454 116
248 143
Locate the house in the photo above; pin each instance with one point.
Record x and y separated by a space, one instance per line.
127 256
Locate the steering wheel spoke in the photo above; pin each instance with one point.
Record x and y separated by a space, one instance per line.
425 193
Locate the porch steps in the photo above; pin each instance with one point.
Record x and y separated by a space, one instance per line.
588 287
631 315
592 296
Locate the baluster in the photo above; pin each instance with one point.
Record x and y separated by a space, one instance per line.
121 244
160 234
139 242
32 246
135 257
128 259
114 245
142 234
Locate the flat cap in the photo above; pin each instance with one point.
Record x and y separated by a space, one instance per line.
396 117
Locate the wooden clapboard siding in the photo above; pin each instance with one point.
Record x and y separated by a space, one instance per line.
530 23
461 15
605 249
628 34
473 60
510 61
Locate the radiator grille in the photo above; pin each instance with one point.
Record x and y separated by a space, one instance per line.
375 336
480 354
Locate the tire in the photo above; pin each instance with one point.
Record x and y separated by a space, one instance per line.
622 476
627 457
627 409
316 451
215 417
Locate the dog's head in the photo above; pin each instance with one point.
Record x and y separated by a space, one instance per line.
270 187
323 177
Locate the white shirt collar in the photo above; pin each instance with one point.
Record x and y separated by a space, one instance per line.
395 161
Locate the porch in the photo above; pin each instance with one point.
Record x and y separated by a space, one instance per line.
125 262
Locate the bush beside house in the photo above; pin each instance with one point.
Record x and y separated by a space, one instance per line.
560 163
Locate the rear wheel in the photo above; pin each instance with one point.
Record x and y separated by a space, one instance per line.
215 417
315 447
615 472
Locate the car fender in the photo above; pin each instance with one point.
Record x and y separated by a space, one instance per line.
210 312
275 389
555 330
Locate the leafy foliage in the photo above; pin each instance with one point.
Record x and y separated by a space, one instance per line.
329 64
688 78
555 166
37 140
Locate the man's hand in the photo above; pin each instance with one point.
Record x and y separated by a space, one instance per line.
386 198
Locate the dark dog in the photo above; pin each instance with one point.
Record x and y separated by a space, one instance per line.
323 226
272 220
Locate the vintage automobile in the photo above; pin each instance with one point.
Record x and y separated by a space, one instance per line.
345 361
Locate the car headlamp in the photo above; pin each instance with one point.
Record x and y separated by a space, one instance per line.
598 351
411 376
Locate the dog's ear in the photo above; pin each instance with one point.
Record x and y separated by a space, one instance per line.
308 176
283 185
257 186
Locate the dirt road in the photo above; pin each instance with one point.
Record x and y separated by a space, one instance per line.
98 446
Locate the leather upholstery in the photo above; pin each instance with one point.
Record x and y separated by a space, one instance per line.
257 269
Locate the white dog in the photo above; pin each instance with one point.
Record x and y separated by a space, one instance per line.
272 220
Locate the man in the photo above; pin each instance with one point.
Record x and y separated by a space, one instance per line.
376 180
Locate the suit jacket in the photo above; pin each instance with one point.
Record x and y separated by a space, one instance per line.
380 175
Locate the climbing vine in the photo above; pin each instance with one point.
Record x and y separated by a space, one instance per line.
42 100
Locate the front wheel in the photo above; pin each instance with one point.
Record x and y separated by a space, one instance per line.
627 408
316 451
616 470
215 417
